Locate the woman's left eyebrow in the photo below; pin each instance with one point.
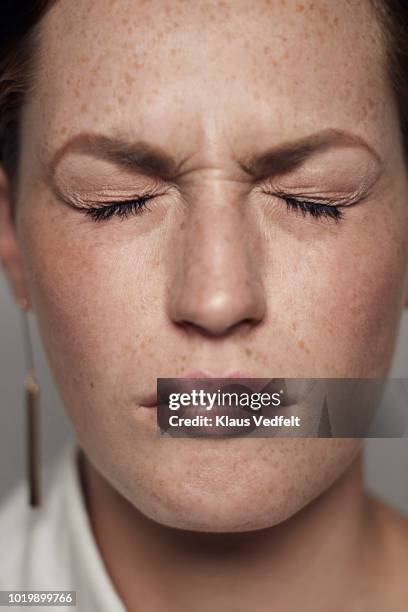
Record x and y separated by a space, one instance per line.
287 156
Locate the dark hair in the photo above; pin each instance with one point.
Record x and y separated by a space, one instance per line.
20 21
393 15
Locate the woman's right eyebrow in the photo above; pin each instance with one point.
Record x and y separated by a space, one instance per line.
154 161
133 156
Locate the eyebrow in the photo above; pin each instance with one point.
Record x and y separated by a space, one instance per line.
138 155
153 161
288 156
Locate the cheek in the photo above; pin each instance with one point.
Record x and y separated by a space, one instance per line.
349 298
92 308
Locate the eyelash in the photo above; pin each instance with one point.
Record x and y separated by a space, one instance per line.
120 209
315 209
138 205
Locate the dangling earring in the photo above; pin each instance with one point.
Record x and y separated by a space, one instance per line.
32 407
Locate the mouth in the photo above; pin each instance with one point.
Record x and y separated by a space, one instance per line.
221 420
292 389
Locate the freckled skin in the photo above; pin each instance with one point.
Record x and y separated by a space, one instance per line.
113 296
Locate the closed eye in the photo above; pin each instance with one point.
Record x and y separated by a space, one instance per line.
318 210
123 209
315 209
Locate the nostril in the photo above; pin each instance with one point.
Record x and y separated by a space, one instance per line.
217 328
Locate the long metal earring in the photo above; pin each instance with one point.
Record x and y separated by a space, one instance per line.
32 409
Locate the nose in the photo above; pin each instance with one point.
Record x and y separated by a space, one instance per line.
216 285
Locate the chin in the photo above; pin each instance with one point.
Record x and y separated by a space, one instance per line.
234 486
215 515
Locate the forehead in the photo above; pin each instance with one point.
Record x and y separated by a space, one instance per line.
158 66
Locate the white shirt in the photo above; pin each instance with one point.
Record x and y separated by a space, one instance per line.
52 547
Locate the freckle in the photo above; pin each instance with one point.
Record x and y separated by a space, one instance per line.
129 79
300 8
84 108
301 344
248 352
92 384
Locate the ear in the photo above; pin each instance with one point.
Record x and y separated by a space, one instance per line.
10 256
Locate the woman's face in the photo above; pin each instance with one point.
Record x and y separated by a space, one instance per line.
218 111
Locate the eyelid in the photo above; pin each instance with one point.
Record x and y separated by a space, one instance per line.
321 191
99 198
83 187
329 198
112 203
97 202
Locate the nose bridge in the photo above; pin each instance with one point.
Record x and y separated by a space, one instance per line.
216 245
216 285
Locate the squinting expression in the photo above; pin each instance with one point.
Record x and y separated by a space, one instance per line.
213 186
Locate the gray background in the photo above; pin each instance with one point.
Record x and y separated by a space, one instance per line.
386 460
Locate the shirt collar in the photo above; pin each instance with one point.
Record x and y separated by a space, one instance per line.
95 590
